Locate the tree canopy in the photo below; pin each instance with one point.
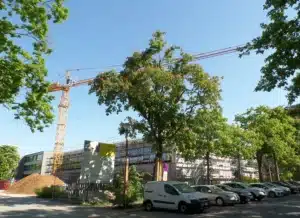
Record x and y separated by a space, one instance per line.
23 85
275 134
281 37
208 137
162 85
9 159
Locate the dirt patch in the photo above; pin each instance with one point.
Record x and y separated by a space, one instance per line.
29 184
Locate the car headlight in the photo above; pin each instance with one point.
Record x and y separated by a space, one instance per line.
261 193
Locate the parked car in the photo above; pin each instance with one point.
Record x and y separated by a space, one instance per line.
258 193
216 195
173 196
295 183
286 191
245 196
294 189
272 192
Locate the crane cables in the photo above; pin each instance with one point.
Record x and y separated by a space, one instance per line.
197 56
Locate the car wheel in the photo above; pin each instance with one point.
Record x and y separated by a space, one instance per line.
148 206
254 196
272 194
182 207
219 201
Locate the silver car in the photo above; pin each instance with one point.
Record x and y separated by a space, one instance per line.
286 190
216 195
272 192
257 193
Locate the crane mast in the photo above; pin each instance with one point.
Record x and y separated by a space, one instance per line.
61 126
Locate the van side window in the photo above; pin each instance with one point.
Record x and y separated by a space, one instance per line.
170 190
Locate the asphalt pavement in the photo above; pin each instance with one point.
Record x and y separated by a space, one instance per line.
29 206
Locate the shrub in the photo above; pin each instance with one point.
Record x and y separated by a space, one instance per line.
248 179
49 192
135 188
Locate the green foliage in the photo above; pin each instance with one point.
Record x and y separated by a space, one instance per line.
49 192
162 86
275 133
247 179
135 187
128 128
208 135
281 37
22 72
9 159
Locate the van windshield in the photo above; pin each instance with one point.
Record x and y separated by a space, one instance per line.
184 188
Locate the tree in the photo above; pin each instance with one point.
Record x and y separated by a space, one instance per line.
23 84
135 188
242 145
163 87
280 36
9 159
208 128
127 129
275 135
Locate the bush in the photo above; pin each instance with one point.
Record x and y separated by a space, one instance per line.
49 192
135 188
248 179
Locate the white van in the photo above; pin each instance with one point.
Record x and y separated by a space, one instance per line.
173 196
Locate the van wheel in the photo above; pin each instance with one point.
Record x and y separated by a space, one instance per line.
148 206
182 207
219 201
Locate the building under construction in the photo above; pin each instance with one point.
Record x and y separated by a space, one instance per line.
95 163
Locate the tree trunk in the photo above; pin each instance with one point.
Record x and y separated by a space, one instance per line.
270 173
126 173
207 168
277 176
239 168
158 168
259 163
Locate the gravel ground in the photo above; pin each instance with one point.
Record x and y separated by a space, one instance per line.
29 206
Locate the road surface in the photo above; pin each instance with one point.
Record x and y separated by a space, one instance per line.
12 206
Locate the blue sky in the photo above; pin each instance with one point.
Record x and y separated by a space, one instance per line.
103 33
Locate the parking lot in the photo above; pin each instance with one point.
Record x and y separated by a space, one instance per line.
20 206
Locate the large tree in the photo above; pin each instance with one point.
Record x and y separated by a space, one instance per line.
163 87
207 136
23 85
242 146
281 38
275 136
9 158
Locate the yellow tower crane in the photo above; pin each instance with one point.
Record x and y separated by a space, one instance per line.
62 117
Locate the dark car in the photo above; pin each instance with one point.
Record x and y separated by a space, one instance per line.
295 183
294 189
245 196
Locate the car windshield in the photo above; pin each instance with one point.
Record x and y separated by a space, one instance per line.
184 188
269 185
244 185
216 189
228 188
